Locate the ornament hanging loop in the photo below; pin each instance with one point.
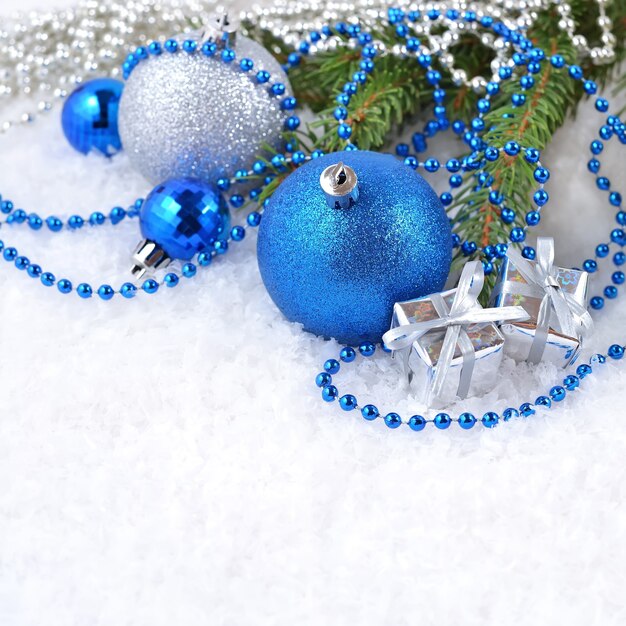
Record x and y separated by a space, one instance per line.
340 185
221 29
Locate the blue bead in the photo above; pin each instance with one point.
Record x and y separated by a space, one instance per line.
615 198
262 76
370 412
150 286
348 402
189 270
540 197
21 262
34 221
507 215
541 175
171 45
528 252
189 46
184 216
571 382
97 218
543 401
619 258
247 64
367 348
517 235
228 55
254 219
583 370
332 366
34 270
329 393
6 206
106 292
596 303
84 290
292 122
602 250
344 131
602 105
526 409
417 423
393 420
596 146
531 155
509 414
611 292
171 280
618 278
593 166
208 49
466 421
590 266
490 419
9 254
347 354
48 279
220 246
64 285
116 215
533 218
442 421
616 351
90 116
557 393
54 224
323 379
128 290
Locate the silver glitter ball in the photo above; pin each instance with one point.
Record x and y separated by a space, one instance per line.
189 115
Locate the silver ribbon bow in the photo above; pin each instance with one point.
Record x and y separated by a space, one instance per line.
572 318
464 311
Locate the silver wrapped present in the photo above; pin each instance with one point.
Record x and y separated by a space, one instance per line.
450 346
555 299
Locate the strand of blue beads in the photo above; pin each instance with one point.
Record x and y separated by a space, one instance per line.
557 393
348 402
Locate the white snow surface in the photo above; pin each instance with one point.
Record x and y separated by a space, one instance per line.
169 460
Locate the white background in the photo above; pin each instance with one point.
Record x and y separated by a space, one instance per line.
168 460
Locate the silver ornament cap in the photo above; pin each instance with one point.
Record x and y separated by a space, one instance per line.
148 258
340 185
221 29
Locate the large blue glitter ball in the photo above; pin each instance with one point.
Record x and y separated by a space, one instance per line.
90 116
339 271
184 216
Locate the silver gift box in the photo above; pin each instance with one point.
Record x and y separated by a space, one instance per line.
421 358
560 348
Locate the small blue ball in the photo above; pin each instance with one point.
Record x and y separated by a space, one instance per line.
340 271
89 116
184 216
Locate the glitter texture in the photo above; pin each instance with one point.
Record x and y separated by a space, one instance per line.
340 271
185 115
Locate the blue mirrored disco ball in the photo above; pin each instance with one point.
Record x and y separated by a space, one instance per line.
184 216
339 271
90 115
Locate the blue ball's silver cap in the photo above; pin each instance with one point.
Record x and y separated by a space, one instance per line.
340 185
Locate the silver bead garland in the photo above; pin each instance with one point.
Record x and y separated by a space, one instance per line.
44 55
